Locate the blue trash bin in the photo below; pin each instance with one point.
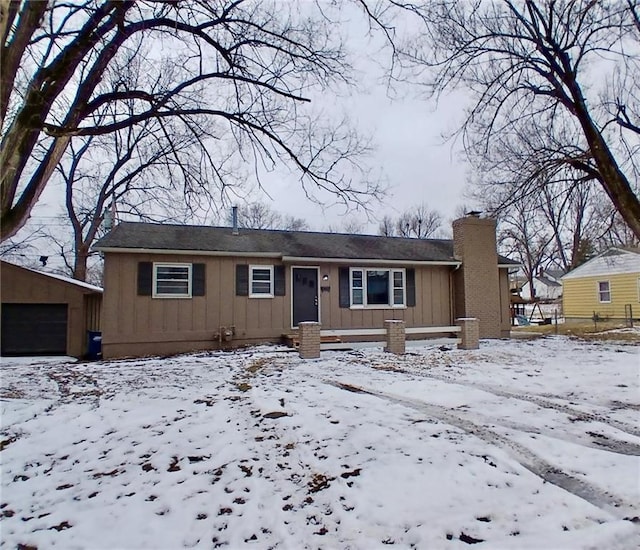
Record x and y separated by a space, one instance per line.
94 346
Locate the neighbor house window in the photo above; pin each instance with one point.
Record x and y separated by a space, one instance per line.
171 280
261 281
378 287
604 291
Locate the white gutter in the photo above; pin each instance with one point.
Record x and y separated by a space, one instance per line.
187 252
368 261
285 259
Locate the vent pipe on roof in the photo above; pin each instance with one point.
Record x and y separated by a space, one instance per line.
234 219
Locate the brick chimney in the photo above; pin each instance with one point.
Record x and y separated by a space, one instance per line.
476 282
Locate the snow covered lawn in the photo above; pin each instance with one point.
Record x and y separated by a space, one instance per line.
521 444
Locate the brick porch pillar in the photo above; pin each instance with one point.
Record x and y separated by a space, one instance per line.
309 334
469 333
395 337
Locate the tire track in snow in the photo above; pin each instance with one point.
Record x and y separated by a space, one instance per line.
604 500
542 402
599 442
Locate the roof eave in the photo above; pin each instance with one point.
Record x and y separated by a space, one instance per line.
367 261
278 255
125 250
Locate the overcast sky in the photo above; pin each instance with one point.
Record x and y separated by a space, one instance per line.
407 131
417 164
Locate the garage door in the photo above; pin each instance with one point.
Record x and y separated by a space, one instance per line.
34 329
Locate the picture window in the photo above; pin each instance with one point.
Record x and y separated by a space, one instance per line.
376 287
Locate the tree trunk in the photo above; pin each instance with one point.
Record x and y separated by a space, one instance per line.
612 179
80 263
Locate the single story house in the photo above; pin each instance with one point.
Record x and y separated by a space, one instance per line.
607 286
547 286
175 288
46 314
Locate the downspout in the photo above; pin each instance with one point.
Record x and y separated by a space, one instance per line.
452 294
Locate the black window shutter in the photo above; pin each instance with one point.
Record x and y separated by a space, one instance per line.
279 282
242 280
198 280
145 278
411 287
343 288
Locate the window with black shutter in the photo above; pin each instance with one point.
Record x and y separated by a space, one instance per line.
171 280
376 287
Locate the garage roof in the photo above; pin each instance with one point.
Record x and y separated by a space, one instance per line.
68 280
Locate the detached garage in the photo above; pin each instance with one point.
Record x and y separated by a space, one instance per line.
46 314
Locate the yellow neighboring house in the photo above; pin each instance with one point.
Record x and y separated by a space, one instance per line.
607 285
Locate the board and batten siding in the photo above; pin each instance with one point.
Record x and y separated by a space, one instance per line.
134 325
143 325
433 302
580 298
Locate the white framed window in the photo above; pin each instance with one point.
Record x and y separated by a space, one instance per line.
604 292
377 287
171 280
261 281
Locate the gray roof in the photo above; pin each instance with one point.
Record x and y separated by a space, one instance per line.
555 273
301 244
547 281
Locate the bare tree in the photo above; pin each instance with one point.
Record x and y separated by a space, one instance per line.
19 249
258 215
570 215
579 216
614 231
419 222
525 237
349 225
387 227
150 170
246 65
291 223
537 71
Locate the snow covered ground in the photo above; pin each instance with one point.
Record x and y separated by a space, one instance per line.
521 444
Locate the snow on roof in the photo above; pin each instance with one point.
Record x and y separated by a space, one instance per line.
69 280
614 261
